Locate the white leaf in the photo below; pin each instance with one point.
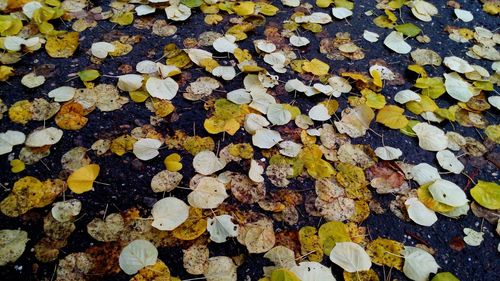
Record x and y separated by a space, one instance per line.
221 227
495 101
265 46
341 13
472 237
31 80
457 64
319 112
178 12
350 256
261 100
129 82
225 44
30 8
340 85
207 163
225 72
448 193
385 72
13 43
424 173
448 161
208 194
220 268
419 213
405 96
137 255
457 87
418 264
464 15
423 10
62 94
325 89
299 41
142 10
291 3
388 152
290 148
370 36
167 70
239 96
255 171
162 89
312 271
196 55
430 137
277 58
43 137
66 210
102 49
253 122
9 139
396 42
266 138
457 211
12 245
295 85
146 67
168 213
278 115
146 149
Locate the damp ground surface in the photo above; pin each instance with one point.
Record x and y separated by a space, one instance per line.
129 179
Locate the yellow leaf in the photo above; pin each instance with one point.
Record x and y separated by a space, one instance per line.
122 144
20 112
392 117
123 18
139 96
282 274
309 244
243 150
195 144
213 19
172 162
369 275
373 99
156 272
386 252
418 69
426 104
266 9
193 227
62 45
377 78
244 8
82 180
316 67
242 55
487 194
350 176
26 194
324 3
6 72
17 166
332 232
493 133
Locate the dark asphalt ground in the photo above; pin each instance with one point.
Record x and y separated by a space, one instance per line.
130 187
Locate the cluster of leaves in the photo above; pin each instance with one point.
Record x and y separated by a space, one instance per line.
282 133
